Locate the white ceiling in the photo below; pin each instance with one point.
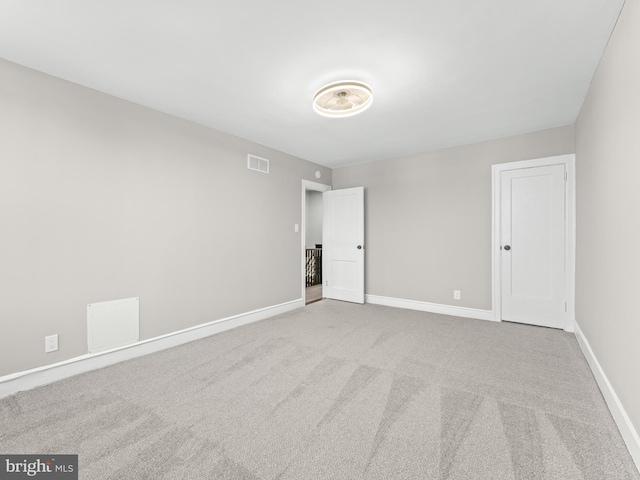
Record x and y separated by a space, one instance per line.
443 72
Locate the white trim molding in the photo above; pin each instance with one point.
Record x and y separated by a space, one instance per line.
627 430
568 161
453 310
36 377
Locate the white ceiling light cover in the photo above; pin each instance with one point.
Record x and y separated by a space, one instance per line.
342 99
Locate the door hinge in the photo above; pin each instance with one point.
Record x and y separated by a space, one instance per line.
326 283
565 175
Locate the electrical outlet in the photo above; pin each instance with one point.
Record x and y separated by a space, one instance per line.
456 294
50 343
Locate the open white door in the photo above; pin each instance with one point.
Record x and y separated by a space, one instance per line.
343 244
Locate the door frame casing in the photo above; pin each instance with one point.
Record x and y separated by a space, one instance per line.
568 161
307 185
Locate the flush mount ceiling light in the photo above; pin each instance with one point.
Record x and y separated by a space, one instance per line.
342 99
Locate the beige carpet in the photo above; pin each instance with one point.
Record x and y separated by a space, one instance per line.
334 391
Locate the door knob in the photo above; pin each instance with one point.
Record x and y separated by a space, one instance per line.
359 247
507 247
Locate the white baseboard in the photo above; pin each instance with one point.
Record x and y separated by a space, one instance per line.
431 307
35 377
628 431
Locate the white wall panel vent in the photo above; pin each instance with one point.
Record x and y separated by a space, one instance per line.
113 324
257 163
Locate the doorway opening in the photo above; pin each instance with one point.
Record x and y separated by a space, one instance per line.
312 220
313 247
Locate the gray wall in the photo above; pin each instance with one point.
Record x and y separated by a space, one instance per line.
608 206
428 217
101 199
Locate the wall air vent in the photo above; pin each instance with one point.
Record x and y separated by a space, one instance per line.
257 163
113 324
